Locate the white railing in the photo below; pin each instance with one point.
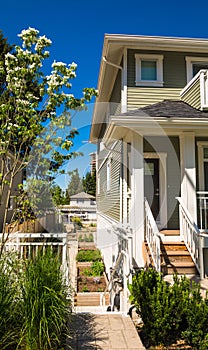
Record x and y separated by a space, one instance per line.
201 80
152 235
202 198
191 236
27 245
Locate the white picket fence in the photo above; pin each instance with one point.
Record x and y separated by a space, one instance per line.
27 245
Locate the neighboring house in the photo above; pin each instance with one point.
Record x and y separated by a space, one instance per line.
150 124
82 205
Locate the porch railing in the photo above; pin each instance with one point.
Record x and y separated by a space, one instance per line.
28 244
191 236
202 198
152 235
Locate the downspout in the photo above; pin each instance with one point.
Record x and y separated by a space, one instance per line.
111 63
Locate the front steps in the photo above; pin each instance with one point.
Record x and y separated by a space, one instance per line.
175 257
90 299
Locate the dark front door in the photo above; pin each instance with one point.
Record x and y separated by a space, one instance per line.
151 185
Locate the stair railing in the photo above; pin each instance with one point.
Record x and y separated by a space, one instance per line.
191 236
127 271
152 235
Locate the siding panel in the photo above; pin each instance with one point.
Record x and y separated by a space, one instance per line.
109 202
139 97
192 96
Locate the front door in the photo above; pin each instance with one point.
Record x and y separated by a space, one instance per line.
152 185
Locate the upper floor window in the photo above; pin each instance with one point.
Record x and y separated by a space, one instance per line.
194 65
149 70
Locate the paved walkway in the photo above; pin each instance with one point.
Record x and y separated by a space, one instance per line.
110 331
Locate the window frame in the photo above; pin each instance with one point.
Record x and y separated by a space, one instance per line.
159 69
108 176
190 61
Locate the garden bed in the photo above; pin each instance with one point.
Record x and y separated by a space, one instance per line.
89 283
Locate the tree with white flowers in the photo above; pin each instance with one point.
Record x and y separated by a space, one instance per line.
35 115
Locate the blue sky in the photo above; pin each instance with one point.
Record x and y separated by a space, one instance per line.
77 28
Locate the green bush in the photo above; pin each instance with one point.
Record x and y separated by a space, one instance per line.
44 308
77 221
97 269
169 312
88 255
10 318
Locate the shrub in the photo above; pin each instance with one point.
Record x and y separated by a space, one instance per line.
88 255
77 221
97 269
45 308
170 312
10 319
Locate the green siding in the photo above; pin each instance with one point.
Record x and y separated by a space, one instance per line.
169 145
174 77
192 95
139 97
108 202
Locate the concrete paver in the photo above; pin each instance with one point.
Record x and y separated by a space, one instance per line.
107 331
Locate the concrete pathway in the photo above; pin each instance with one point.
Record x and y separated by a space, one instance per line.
109 331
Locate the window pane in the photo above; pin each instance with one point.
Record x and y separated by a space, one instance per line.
148 70
198 66
205 153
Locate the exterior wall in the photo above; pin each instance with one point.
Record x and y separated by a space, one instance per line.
107 241
139 97
192 95
108 202
174 76
170 145
84 203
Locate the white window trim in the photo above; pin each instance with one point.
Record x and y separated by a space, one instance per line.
201 145
108 176
162 156
189 65
159 67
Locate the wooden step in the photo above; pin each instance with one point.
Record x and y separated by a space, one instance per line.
173 246
170 232
181 268
90 299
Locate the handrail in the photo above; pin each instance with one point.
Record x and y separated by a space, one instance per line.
191 236
152 235
122 252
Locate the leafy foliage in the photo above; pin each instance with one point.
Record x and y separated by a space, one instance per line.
75 183
34 134
34 303
89 255
89 183
170 312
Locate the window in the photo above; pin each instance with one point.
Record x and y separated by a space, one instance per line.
108 179
194 65
149 70
203 165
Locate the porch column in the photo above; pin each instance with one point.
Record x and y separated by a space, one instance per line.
188 172
137 200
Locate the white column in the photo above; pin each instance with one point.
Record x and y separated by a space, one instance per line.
137 199
188 172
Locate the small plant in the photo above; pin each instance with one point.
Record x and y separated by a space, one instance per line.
77 221
89 238
92 224
85 289
97 268
88 255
